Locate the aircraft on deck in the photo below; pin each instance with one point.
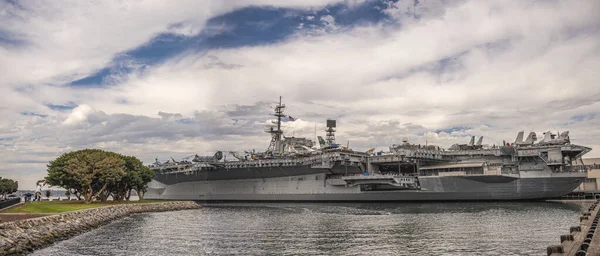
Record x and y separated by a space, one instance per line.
531 138
555 139
549 139
469 146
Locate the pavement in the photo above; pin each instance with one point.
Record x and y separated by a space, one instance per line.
582 240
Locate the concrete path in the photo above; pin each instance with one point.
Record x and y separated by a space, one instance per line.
582 240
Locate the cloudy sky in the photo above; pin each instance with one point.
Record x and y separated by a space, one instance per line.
174 78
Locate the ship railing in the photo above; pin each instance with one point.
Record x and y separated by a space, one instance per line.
374 176
319 159
423 152
328 157
362 177
575 168
543 157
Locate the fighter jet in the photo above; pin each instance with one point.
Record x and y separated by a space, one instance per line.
318 144
309 149
470 146
472 142
555 139
519 138
462 146
531 138
321 141
240 157
479 141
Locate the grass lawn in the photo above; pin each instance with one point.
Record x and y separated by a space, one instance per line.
66 206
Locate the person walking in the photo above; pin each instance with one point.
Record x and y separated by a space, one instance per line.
38 190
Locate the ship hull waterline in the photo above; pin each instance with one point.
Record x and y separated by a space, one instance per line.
304 189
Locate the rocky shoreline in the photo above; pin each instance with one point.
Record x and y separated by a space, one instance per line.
24 236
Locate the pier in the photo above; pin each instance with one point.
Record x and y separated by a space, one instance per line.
582 240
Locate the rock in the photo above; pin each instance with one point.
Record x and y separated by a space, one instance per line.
27 235
11 242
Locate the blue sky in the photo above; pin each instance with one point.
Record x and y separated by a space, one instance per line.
248 26
171 79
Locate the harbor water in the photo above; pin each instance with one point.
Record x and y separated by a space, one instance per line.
492 228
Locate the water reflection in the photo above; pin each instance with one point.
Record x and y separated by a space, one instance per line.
516 228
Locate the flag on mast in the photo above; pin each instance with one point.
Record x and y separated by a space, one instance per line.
288 119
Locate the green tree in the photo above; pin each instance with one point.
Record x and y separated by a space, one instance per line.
48 194
98 174
58 176
140 176
145 176
136 178
7 186
88 172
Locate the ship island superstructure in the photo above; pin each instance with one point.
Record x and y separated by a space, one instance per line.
300 169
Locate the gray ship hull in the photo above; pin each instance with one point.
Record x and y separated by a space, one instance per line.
297 169
251 173
315 187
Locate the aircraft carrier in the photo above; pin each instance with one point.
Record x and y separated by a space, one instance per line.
299 169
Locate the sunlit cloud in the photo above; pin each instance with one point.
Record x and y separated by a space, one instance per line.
160 80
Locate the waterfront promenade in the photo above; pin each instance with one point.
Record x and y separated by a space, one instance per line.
23 236
27 210
583 240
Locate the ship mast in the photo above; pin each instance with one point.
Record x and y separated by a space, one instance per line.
275 145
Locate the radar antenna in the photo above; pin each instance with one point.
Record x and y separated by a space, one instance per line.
330 135
275 145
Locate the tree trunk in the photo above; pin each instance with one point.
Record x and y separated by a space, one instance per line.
118 196
103 196
88 196
101 190
140 194
128 194
122 195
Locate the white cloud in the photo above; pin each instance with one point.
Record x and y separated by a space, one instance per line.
63 41
78 115
494 68
67 40
328 22
490 67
